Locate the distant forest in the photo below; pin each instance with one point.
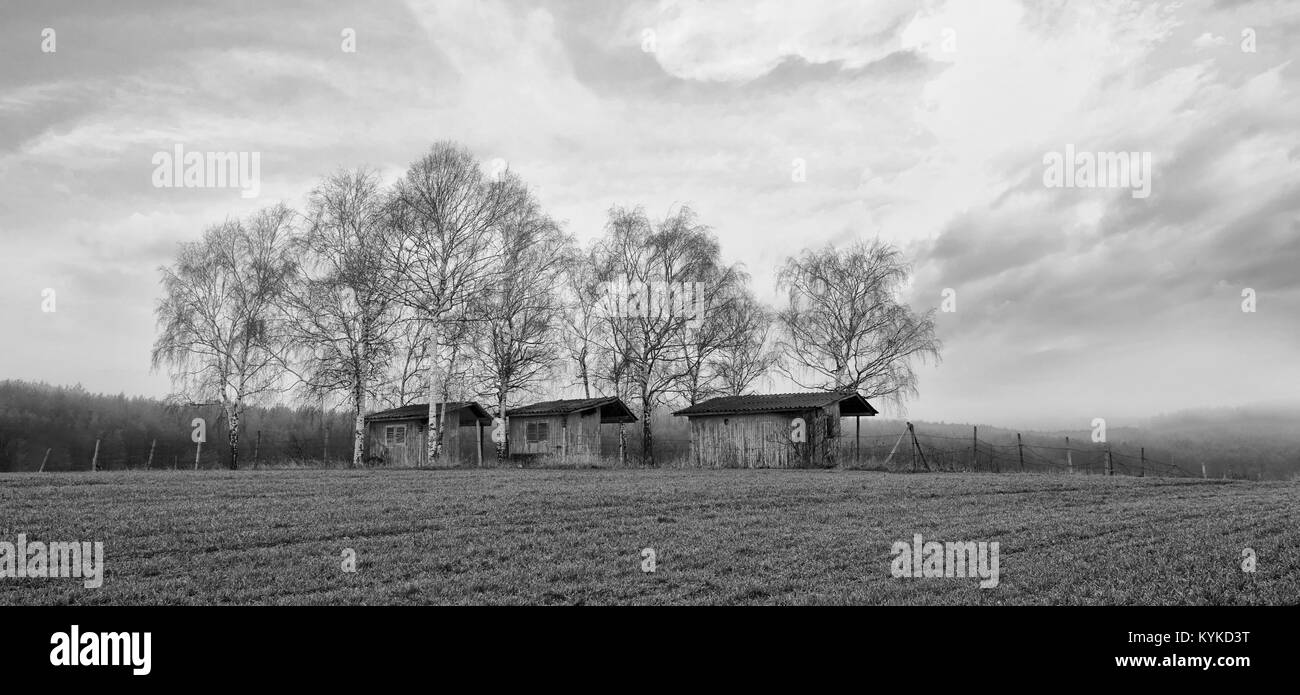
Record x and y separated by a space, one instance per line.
67 421
1252 443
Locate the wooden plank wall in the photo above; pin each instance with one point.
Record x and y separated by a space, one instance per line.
762 440
460 444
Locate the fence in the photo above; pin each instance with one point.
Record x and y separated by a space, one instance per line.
914 450
910 449
138 451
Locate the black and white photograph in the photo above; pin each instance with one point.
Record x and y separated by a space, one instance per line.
897 304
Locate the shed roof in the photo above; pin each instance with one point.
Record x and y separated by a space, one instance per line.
420 411
612 409
851 403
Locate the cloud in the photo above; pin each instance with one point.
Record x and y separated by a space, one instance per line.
743 40
1208 40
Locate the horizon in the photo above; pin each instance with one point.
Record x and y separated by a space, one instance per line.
1275 406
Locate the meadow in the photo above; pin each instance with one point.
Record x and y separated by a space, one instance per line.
510 536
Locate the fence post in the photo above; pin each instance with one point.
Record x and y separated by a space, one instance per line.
913 447
1110 462
149 464
1069 459
198 451
478 428
1203 473
857 440
94 459
257 449
1021 448
917 445
975 447
47 458
1142 472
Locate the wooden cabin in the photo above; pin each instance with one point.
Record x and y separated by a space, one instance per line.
399 437
758 431
563 428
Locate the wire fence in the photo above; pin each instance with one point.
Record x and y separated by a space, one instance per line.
166 451
909 450
915 450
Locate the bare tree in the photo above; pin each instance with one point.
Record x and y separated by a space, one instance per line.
843 326
520 315
406 381
446 210
222 333
582 324
344 308
752 354
704 337
658 266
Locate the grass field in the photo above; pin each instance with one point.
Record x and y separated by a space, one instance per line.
720 536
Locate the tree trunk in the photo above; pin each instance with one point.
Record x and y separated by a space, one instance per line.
358 426
233 417
359 396
647 438
505 428
431 442
622 445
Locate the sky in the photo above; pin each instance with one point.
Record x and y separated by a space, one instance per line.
785 125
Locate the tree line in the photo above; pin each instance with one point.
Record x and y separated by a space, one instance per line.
66 428
453 283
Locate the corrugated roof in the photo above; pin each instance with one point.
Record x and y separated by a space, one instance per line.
611 408
420 411
780 403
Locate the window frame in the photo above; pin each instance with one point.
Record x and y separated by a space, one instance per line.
394 435
537 432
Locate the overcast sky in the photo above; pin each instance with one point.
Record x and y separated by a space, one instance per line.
924 124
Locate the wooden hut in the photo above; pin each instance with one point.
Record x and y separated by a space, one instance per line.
563 428
764 431
400 437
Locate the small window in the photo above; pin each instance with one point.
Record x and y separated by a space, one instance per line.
536 432
395 435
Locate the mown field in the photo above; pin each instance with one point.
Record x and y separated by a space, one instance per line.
720 536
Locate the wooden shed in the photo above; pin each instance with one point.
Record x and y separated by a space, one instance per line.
760 431
400 436
563 428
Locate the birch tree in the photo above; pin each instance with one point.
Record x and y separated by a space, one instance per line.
752 353
659 265
704 337
344 309
445 212
581 319
844 327
520 316
222 334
